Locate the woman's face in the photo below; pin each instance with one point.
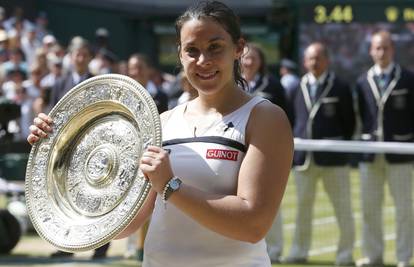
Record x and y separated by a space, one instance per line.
250 63
208 54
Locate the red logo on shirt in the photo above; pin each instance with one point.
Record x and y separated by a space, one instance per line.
222 154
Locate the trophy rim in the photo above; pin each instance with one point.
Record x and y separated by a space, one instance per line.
143 94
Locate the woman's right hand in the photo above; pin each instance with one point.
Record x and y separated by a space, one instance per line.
40 128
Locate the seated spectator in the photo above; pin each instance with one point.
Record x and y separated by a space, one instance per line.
15 78
55 67
16 61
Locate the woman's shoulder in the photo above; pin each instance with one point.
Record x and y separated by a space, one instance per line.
267 109
266 118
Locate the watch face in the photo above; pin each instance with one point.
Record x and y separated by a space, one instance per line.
174 184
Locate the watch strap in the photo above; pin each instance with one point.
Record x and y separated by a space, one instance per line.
168 189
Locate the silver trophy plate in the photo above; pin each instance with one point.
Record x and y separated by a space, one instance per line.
83 183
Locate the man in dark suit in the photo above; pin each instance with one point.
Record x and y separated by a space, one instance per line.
386 104
139 69
80 55
322 109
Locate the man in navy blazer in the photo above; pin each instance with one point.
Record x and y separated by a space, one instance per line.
322 109
80 56
386 105
139 69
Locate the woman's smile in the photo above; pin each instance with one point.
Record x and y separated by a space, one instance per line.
207 76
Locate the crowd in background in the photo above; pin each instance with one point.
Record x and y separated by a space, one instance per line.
32 60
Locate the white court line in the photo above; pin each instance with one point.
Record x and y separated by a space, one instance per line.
330 249
317 222
332 219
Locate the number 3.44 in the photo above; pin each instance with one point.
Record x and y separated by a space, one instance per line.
337 14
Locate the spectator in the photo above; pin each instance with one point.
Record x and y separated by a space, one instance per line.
101 39
30 44
67 58
386 104
15 78
323 109
259 80
289 80
26 95
42 103
56 51
17 21
41 25
16 61
103 63
41 60
32 85
14 91
139 68
80 56
123 67
55 67
161 79
48 42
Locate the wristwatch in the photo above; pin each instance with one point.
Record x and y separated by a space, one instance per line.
172 186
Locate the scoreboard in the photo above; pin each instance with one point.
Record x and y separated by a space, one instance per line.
362 12
346 26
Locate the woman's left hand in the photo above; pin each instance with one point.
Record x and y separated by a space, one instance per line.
155 164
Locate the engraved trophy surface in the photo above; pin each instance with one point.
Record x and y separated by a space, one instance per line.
83 183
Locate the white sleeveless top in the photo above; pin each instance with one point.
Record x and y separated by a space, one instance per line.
210 162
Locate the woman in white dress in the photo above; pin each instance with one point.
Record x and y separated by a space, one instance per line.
219 178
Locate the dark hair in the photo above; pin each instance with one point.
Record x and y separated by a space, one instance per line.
224 16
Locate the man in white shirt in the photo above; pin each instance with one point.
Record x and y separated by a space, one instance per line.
322 109
386 107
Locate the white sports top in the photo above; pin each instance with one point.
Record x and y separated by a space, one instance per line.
210 162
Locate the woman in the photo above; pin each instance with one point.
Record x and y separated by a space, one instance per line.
218 190
260 82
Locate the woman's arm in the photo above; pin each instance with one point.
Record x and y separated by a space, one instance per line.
248 215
